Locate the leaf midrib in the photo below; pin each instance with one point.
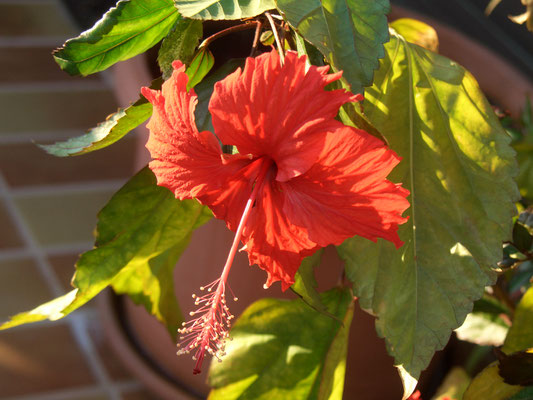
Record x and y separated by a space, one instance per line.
412 178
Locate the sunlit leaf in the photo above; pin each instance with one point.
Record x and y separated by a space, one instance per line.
285 350
223 9
484 325
454 385
128 29
114 128
417 32
125 120
141 233
200 65
458 167
520 335
489 385
180 44
349 33
52 310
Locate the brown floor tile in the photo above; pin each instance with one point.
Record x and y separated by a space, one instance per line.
9 236
113 365
99 396
39 359
26 110
27 164
36 19
22 288
140 394
27 64
62 218
63 266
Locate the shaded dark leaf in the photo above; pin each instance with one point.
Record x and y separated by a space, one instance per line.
516 368
179 44
350 34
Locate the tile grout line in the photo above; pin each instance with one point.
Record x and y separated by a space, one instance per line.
64 188
79 325
31 41
54 86
55 286
30 243
25 2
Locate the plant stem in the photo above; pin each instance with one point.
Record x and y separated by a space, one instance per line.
276 36
227 31
256 37
501 294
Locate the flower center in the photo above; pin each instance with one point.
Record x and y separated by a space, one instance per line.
208 333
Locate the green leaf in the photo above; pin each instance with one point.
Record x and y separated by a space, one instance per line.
417 32
524 394
223 9
351 114
484 329
179 44
520 335
458 166
349 33
524 156
52 310
484 325
128 29
285 350
114 128
522 238
454 385
204 90
305 284
140 235
523 231
524 152
201 64
117 125
489 385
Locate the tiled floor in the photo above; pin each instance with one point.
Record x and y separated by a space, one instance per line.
47 211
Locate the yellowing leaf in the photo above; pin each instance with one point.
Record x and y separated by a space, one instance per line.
417 32
458 166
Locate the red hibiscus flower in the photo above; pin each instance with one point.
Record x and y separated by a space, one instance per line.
301 179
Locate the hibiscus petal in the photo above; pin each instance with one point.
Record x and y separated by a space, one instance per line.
188 162
345 193
228 201
279 111
272 242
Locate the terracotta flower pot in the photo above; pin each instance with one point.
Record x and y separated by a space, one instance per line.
144 344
